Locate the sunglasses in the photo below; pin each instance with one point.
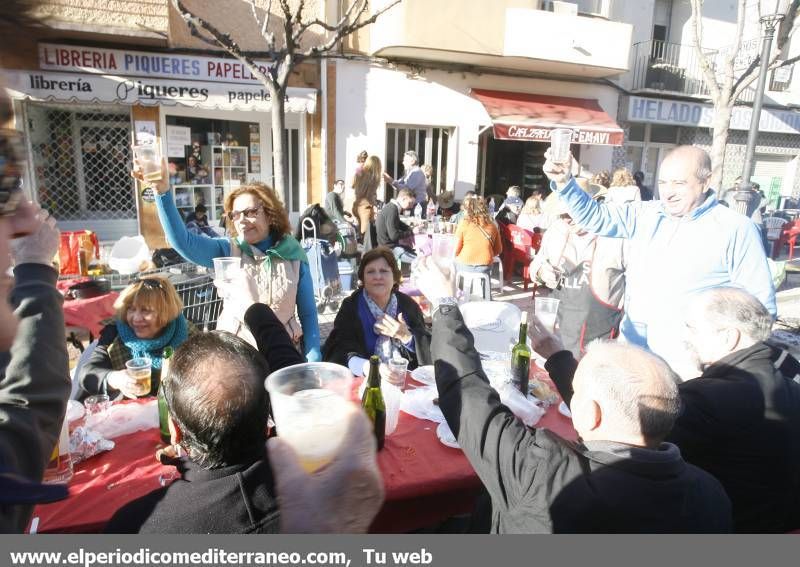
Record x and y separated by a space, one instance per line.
250 213
12 158
152 283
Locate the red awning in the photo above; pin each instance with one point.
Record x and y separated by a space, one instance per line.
529 117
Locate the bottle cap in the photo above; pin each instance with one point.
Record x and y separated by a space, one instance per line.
524 319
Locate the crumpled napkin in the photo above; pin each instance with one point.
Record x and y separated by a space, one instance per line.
419 403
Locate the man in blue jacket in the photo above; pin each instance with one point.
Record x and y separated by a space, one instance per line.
680 245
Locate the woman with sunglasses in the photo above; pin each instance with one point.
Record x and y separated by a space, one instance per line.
149 318
275 265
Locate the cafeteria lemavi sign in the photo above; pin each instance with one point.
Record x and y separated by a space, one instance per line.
88 74
680 113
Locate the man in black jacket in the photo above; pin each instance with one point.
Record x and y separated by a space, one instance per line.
229 481
741 417
620 476
392 231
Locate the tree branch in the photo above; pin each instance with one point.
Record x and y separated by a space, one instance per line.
347 29
705 66
265 33
224 41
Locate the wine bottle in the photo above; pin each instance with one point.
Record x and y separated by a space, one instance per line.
521 357
163 409
372 400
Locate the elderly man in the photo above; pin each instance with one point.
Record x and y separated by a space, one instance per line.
741 417
413 179
682 244
229 482
620 477
393 232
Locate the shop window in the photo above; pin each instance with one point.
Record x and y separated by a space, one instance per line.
636 132
661 134
431 145
81 159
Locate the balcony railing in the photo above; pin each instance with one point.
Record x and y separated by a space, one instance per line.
664 66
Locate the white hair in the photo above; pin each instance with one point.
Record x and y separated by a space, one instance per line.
640 388
734 308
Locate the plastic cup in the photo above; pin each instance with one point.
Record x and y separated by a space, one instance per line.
149 158
226 268
546 309
96 404
398 369
140 370
560 140
310 403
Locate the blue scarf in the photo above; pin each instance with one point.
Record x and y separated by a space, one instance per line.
385 347
174 335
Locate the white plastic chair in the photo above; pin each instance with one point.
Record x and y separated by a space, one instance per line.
494 324
466 281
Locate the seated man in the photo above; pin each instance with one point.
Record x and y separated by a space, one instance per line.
197 222
620 477
393 232
219 410
741 417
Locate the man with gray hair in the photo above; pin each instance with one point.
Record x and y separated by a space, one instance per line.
413 179
619 477
741 417
741 420
680 245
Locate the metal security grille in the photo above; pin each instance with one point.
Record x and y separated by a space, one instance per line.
431 144
82 161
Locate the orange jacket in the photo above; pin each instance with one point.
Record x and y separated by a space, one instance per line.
472 246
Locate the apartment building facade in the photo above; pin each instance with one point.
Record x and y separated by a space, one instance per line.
667 101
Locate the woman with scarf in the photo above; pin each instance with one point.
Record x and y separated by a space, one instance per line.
275 266
378 319
149 319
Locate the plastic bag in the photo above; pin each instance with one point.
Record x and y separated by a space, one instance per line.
526 409
122 419
393 398
85 443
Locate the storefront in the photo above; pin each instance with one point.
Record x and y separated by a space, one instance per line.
86 106
471 145
657 125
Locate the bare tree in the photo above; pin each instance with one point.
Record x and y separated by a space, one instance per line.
286 49
725 85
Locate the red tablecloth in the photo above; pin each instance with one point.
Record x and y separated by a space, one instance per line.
88 313
426 482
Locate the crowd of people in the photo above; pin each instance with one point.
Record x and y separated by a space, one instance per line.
687 414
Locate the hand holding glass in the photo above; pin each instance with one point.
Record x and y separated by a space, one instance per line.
149 158
560 140
310 405
140 369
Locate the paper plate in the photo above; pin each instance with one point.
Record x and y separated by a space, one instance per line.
564 410
446 436
424 375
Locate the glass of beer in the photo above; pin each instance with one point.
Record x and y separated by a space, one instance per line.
560 140
140 370
310 403
149 158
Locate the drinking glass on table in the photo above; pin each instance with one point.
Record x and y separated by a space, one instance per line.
310 403
140 370
546 309
149 158
96 404
398 368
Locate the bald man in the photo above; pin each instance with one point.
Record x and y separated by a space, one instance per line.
684 243
621 477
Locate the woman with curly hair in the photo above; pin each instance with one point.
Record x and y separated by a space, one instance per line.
366 187
275 265
477 238
623 188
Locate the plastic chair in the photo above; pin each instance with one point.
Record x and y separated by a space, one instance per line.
497 261
494 324
466 281
789 234
774 227
518 244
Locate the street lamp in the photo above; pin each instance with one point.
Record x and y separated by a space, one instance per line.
773 12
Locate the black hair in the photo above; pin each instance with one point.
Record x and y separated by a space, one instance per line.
215 393
201 208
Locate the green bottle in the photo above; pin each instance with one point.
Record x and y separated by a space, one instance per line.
521 357
372 400
163 410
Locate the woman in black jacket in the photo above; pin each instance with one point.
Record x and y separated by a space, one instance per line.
378 319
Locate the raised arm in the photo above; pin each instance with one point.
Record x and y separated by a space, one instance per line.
307 313
617 221
197 248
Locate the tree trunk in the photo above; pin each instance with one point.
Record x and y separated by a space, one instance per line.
280 183
723 109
